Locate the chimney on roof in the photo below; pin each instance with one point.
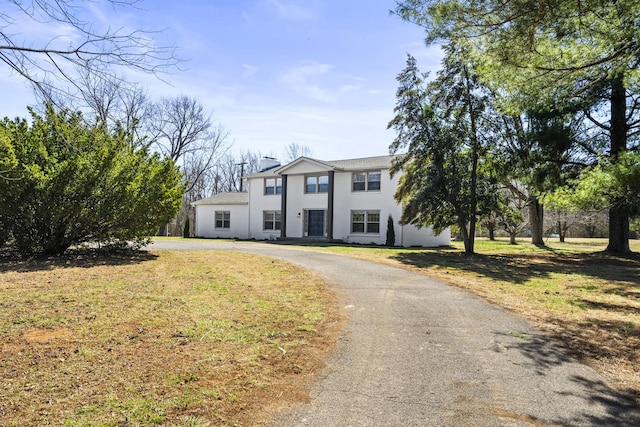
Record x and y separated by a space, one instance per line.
267 163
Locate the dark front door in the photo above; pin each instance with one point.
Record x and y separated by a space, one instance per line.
316 224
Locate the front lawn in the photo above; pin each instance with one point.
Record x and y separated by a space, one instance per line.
171 338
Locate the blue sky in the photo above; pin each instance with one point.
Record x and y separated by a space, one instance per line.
319 73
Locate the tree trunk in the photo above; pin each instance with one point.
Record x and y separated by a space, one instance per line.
466 238
512 238
536 221
475 145
562 230
618 231
492 233
618 217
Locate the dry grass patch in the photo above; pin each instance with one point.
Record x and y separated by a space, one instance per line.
587 299
173 338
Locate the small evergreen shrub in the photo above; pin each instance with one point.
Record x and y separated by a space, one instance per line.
391 232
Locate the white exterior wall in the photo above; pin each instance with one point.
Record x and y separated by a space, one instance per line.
345 201
412 236
238 224
298 201
259 202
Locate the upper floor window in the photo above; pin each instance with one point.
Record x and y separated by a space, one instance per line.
366 181
223 219
316 184
272 186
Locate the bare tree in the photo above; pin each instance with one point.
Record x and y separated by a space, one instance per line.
593 222
107 100
182 130
181 126
50 64
231 171
294 150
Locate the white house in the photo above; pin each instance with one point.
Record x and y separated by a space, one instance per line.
343 200
214 216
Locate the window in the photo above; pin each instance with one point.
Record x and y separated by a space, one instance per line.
272 186
271 220
366 181
316 184
311 184
323 183
223 219
365 222
359 181
373 181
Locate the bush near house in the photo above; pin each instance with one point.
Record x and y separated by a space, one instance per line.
64 182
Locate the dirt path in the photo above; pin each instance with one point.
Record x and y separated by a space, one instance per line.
418 352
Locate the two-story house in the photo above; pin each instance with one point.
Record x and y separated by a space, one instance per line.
343 200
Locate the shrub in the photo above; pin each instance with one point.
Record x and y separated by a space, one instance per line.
391 232
67 183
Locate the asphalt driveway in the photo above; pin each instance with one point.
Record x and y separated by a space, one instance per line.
418 352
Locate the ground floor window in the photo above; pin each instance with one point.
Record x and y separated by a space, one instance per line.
271 220
365 222
223 219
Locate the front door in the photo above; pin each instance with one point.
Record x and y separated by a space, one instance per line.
315 226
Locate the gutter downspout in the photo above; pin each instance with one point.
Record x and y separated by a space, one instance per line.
330 206
283 208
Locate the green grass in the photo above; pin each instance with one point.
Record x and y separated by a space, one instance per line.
174 338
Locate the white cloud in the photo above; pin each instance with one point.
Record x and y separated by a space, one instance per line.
319 82
249 70
303 80
293 11
331 132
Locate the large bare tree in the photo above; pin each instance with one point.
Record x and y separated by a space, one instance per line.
51 63
184 131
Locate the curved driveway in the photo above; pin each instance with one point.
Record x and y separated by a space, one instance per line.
418 352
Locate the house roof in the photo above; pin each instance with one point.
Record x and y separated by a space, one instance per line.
235 198
379 162
365 163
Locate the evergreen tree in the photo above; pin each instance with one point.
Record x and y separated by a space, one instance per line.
446 179
66 183
538 54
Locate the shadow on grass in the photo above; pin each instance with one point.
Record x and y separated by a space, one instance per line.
518 268
10 261
621 407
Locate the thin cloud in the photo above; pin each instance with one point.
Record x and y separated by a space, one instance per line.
319 82
293 11
249 70
303 80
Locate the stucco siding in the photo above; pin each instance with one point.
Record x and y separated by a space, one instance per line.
347 201
259 203
359 216
238 221
413 236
